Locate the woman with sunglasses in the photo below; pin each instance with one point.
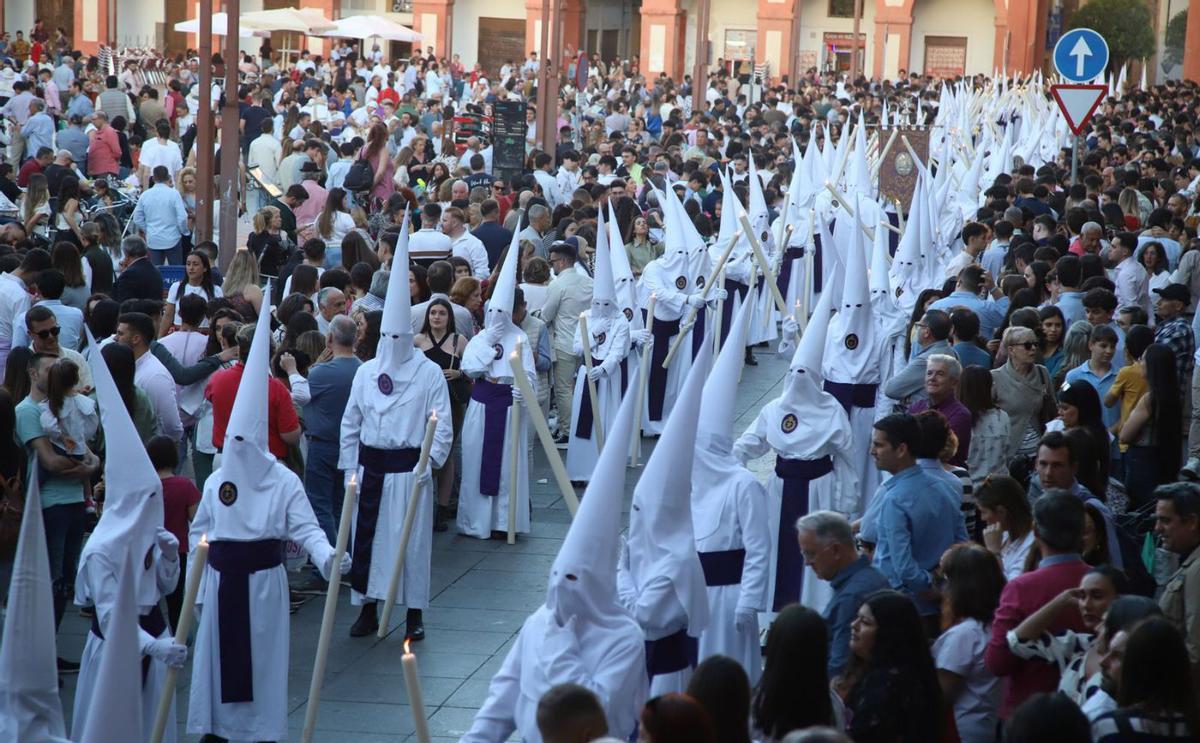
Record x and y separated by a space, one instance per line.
1022 389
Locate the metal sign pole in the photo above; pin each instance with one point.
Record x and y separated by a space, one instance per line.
1075 160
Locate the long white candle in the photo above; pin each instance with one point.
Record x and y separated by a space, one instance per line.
331 596
720 314
529 399
410 515
516 451
187 613
416 700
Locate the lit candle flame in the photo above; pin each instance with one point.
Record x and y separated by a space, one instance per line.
433 415
204 539
406 650
354 479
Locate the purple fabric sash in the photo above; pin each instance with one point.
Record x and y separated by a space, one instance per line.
893 238
496 400
852 395
663 332
784 279
671 653
732 287
235 562
152 621
796 475
376 464
723 567
583 422
817 263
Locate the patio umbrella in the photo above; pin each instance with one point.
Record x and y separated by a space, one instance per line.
369 27
220 23
308 21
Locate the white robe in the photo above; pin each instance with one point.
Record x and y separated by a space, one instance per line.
729 511
479 515
398 421
287 515
811 439
582 453
659 612
98 578
610 661
670 304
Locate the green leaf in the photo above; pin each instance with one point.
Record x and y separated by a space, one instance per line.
1124 24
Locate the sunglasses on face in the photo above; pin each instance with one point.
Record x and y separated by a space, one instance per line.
45 334
1027 345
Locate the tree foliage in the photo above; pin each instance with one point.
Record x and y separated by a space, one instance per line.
1176 36
1124 24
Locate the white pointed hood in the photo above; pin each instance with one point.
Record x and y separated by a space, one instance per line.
832 263
759 214
804 394
604 297
246 458
500 305
661 537
133 506
850 350
624 284
583 579
395 329
719 398
116 703
30 708
859 176
674 260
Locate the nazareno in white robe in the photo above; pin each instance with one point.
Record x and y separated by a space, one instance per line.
287 514
609 660
670 305
478 514
397 421
810 437
96 584
729 512
610 342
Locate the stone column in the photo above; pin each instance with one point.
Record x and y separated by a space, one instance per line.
91 25
433 19
662 38
776 24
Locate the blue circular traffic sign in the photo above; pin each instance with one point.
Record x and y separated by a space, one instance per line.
1081 55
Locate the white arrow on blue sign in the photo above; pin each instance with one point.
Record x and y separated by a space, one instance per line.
1081 55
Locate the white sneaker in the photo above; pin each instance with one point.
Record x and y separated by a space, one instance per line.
1191 470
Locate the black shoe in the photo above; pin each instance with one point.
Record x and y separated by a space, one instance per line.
210 738
295 601
750 360
439 519
414 627
562 440
367 622
88 612
65 666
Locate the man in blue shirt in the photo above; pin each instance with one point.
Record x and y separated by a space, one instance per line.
1099 371
1070 299
38 129
161 214
971 283
917 519
964 329
827 546
329 386
80 105
50 286
908 385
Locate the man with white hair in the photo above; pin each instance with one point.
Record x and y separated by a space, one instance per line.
1090 239
462 243
827 546
331 303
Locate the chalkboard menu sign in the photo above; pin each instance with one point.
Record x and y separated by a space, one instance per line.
508 139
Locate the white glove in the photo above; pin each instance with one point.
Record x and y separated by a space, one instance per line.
717 294
697 301
790 326
493 334
517 398
743 618
343 567
168 651
596 373
167 544
641 338
623 555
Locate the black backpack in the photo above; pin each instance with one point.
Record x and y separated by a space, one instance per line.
360 176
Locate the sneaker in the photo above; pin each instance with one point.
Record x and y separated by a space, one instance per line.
88 612
1191 470
66 666
312 585
296 600
562 440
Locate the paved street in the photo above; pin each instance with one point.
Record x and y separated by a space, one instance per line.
481 593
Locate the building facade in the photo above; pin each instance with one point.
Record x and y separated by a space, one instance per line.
942 37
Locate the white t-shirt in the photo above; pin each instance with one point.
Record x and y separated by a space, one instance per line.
1013 554
960 651
173 298
155 153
